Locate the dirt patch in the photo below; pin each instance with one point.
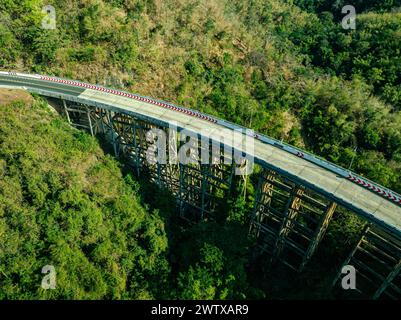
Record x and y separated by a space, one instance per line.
9 95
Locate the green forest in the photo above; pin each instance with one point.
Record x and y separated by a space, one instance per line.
285 68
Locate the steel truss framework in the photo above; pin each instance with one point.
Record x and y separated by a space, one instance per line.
200 188
377 260
288 221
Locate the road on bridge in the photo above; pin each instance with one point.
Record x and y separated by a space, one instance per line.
372 206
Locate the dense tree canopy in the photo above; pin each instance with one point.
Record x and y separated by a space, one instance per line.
286 68
64 203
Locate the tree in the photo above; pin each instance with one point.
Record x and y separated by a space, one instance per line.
65 204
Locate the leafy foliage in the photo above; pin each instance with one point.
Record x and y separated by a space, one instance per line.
284 68
64 203
212 267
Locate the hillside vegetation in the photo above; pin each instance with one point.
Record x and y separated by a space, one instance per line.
282 67
64 203
293 74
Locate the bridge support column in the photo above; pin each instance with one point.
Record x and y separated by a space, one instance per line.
79 115
377 260
389 282
319 233
204 187
136 150
263 199
288 220
115 136
290 214
66 111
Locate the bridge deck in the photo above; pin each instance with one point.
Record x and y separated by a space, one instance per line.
362 201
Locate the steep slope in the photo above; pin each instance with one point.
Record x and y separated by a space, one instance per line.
64 203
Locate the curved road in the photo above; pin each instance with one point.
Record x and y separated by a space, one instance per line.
356 197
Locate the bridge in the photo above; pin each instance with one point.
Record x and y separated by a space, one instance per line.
297 193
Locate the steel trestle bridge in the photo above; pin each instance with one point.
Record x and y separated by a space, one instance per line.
297 193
